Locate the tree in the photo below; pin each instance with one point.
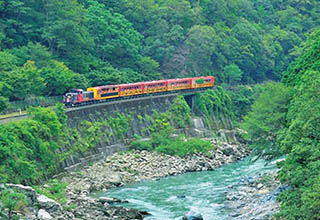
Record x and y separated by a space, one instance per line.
22 81
8 62
233 73
116 41
65 34
59 79
266 119
34 52
149 67
309 60
301 140
4 103
250 50
201 44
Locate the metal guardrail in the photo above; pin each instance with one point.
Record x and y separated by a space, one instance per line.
22 105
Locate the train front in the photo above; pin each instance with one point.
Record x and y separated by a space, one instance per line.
71 98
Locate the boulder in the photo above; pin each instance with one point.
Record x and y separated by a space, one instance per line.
48 204
228 151
27 190
192 215
43 214
111 200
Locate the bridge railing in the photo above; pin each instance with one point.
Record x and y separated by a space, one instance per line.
22 105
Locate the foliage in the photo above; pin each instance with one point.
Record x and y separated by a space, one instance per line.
301 141
141 145
242 98
286 120
120 124
115 39
182 147
59 79
91 132
162 141
180 112
233 73
53 189
74 43
310 60
212 101
13 201
28 147
61 114
266 119
162 128
201 45
4 103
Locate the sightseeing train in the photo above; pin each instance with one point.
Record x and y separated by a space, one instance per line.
77 97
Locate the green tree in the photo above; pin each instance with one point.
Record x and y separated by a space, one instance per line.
64 32
116 41
301 141
22 82
267 118
150 68
59 78
8 62
309 60
201 45
233 73
4 103
250 50
181 112
34 52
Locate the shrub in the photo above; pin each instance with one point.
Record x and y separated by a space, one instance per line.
182 147
12 200
54 189
142 145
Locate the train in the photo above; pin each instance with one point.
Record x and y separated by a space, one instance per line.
78 97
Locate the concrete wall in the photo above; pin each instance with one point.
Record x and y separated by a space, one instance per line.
141 108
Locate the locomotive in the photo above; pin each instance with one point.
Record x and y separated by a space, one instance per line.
77 97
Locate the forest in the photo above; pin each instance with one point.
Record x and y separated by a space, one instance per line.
285 121
267 51
50 46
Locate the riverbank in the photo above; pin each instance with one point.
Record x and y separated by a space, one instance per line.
118 170
254 197
127 167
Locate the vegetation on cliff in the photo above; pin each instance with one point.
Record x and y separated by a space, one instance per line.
285 119
162 130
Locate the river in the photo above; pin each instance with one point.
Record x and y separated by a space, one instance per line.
172 197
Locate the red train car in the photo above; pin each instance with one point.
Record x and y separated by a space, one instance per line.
101 93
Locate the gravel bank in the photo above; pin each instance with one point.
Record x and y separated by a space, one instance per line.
117 170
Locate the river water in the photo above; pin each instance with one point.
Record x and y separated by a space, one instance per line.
172 197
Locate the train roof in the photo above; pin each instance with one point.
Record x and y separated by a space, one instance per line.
149 82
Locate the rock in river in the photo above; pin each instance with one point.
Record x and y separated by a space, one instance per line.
192 215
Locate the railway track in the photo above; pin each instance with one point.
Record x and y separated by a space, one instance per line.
21 116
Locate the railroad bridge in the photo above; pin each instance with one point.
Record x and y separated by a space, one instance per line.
145 104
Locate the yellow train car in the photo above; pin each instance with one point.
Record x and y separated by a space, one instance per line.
105 92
